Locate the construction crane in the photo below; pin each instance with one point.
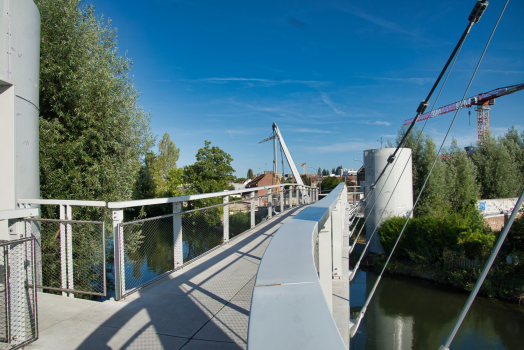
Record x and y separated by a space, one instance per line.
277 135
303 168
482 103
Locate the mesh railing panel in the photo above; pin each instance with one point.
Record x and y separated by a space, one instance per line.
73 256
148 244
18 318
202 230
148 250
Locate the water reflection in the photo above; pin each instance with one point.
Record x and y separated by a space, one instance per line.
410 314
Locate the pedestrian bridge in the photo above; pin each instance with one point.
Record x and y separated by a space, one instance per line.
283 283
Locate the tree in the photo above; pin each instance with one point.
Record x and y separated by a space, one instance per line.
333 171
165 174
211 172
145 184
325 172
306 180
319 172
93 132
461 175
330 183
339 168
498 172
250 174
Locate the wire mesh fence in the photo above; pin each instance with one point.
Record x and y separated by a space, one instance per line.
73 256
153 247
18 310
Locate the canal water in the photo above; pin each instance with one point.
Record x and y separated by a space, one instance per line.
408 313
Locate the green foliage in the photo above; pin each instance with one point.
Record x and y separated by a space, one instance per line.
499 165
461 175
306 180
92 129
167 177
476 244
211 172
319 172
330 183
250 174
239 180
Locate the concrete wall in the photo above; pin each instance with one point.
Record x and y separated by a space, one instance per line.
19 87
377 208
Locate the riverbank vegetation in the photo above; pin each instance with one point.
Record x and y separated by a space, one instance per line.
447 240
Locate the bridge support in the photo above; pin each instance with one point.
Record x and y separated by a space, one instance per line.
270 203
252 196
225 220
178 253
325 266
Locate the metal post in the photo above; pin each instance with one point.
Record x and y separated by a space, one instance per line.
270 203
297 195
281 199
354 195
15 284
225 220
290 196
63 249
325 263
69 245
118 244
252 196
178 251
336 231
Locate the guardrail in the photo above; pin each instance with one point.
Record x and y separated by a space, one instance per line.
186 235
291 306
71 252
18 302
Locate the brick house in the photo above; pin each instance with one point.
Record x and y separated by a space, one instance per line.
266 179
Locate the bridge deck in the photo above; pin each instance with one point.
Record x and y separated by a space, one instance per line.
205 305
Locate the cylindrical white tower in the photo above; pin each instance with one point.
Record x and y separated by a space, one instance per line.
401 201
19 88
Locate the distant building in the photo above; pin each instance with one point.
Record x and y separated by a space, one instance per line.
261 180
347 172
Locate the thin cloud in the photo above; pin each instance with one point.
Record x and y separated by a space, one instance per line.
342 147
313 131
328 101
377 122
223 80
418 81
383 23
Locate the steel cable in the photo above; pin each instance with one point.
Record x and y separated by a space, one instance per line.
370 296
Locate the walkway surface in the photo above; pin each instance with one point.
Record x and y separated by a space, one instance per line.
203 306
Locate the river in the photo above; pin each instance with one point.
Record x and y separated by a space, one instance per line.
408 313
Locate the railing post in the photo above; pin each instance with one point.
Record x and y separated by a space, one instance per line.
270 203
69 245
281 199
336 230
325 263
178 251
225 220
118 244
297 195
63 248
290 196
252 195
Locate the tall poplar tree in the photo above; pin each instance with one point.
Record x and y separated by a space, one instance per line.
93 132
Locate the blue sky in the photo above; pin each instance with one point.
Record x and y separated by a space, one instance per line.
336 76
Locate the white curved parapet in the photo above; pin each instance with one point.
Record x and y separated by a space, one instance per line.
289 308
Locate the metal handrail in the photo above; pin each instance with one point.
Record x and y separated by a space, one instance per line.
289 308
141 202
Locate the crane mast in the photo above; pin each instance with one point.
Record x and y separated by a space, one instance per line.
482 101
276 134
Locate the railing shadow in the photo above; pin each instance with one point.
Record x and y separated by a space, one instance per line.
206 304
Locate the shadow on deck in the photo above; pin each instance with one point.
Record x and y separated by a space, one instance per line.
203 306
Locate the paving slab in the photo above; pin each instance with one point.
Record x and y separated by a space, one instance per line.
203 306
